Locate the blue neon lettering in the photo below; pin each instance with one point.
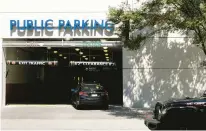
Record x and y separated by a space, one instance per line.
47 24
68 25
29 25
42 24
61 24
91 24
109 26
84 24
12 24
76 24
36 27
21 27
97 24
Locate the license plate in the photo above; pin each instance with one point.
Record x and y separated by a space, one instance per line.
94 95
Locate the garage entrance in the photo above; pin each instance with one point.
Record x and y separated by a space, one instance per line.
51 84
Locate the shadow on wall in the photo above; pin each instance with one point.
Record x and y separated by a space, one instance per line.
164 68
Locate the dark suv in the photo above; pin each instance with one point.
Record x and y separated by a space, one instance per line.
92 94
188 113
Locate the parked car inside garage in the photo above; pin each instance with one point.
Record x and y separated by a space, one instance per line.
90 94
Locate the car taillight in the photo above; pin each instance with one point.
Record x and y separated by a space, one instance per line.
83 93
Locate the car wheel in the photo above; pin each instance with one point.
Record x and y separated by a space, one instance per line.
77 105
158 112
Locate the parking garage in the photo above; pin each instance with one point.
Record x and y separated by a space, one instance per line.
42 62
46 75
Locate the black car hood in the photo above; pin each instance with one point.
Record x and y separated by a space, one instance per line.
186 102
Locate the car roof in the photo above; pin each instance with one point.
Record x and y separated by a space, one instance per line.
90 83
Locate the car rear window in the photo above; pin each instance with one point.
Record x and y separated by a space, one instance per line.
91 87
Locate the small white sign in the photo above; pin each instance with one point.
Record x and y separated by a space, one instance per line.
73 63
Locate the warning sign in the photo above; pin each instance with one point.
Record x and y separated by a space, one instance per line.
33 63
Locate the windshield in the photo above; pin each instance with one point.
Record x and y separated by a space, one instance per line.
91 87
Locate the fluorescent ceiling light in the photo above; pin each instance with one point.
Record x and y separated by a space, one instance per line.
80 53
107 57
55 51
65 57
93 57
105 48
48 48
77 49
60 54
102 40
106 54
67 38
84 56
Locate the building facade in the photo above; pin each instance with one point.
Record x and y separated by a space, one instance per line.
168 65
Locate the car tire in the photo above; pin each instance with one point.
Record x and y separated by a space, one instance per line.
157 112
77 105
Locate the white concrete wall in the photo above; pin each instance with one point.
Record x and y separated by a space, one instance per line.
87 6
161 69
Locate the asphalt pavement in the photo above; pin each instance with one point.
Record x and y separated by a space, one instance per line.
65 117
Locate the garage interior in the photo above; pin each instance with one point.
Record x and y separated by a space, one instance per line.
27 84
